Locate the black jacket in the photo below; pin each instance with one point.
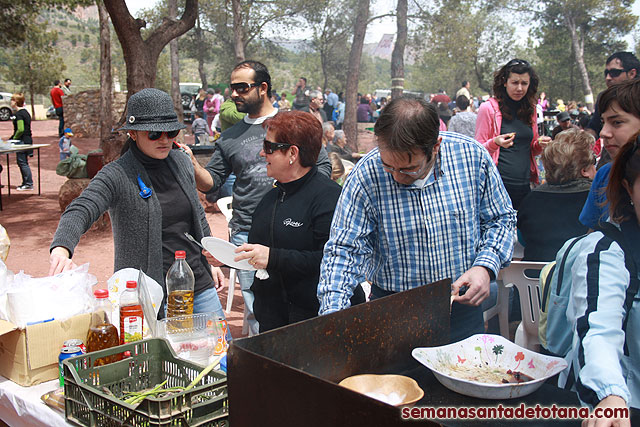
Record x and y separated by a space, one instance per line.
294 220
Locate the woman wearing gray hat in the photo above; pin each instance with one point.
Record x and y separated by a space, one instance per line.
151 196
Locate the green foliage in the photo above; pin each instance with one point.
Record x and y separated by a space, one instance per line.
600 25
17 16
459 40
32 64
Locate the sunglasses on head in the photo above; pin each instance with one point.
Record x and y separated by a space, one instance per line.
155 135
614 72
243 87
515 62
269 147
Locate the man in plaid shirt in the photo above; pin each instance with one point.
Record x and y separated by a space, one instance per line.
422 207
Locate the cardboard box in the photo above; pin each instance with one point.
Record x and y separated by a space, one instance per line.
29 356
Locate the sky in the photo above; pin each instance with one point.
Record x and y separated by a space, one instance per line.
375 30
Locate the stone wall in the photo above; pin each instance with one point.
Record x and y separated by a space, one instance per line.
81 112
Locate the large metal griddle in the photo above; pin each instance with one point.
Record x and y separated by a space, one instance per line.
289 376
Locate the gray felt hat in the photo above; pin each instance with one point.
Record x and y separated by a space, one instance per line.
151 109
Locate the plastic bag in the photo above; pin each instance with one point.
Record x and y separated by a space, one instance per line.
5 244
74 166
117 284
59 297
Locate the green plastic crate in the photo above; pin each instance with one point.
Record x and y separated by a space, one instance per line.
151 362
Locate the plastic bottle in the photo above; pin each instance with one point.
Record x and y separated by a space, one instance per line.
102 333
180 283
131 316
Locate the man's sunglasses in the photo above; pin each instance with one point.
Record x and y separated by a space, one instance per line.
154 135
614 72
269 147
242 88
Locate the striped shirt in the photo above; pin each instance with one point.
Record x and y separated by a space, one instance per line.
400 237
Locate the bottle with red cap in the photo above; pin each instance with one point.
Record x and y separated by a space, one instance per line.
102 333
131 315
180 286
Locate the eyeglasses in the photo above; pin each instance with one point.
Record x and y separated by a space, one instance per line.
410 173
515 62
154 135
614 72
269 147
242 88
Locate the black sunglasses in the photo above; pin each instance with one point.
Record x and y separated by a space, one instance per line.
515 62
614 72
155 135
269 147
243 87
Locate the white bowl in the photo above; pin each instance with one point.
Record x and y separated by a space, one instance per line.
482 351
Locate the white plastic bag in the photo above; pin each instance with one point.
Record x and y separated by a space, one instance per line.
59 297
117 284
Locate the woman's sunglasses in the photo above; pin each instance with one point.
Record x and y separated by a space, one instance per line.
515 62
269 147
242 88
154 135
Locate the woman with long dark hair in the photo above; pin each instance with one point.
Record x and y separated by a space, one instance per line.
507 127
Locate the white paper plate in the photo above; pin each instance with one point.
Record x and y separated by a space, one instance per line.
224 252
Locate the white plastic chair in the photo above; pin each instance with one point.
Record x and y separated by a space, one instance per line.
500 309
530 299
224 204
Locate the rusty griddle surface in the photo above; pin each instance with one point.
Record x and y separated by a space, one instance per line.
289 376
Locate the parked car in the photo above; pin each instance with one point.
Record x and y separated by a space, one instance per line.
51 113
5 106
187 92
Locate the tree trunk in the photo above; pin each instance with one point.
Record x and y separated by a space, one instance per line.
33 100
175 67
353 74
578 49
238 30
141 56
106 107
201 50
397 56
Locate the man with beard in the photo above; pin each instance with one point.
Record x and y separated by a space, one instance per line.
238 151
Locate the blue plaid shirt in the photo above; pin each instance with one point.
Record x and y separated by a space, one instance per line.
400 237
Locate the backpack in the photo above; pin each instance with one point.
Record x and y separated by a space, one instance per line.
554 329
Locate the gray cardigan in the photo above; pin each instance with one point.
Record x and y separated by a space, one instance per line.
136 222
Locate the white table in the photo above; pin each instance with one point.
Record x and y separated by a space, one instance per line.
16 149
22 406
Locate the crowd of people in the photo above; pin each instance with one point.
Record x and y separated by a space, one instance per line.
425 204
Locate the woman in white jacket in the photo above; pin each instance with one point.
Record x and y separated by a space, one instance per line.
605 304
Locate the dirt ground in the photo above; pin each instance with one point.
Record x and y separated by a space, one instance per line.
31 219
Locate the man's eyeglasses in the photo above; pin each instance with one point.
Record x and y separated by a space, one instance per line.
269 147
242 88
614 72
154 135
418 172
515 62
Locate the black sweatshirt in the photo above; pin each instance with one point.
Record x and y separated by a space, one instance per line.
294 220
